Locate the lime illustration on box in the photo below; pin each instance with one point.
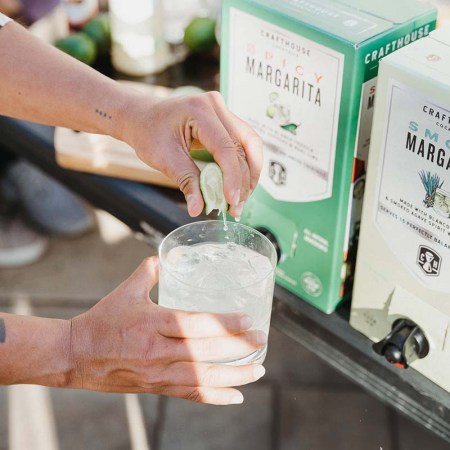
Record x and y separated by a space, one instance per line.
280 114
302 73
442 203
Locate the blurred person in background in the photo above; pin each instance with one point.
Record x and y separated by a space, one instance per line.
33 205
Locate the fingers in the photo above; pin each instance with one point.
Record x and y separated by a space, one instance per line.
206 383
213 396
248 143
189 184
234 145
186 174
210 383
207 128
180 324
213 375
215 349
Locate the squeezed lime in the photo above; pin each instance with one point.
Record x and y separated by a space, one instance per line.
211 185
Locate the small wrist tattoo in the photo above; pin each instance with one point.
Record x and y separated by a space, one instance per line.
103 114
2 331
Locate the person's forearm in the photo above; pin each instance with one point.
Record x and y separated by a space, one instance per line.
41 84
34 350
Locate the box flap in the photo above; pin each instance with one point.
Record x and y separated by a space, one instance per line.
396 12
442 34
352 20
430 56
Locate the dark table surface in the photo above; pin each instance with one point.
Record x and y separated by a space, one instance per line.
153 212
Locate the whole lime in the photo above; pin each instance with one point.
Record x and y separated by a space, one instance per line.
80 46
99 30
199 35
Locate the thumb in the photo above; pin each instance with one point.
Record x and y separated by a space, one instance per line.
144 278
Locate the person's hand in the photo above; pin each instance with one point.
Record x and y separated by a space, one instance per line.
163 133
126 343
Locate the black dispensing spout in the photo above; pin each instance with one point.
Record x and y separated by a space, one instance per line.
272 239
404 344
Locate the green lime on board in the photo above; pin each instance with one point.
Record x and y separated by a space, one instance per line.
80 46
201 155
99 30
211 185
199 35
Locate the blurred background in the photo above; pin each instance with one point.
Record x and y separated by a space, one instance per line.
71 255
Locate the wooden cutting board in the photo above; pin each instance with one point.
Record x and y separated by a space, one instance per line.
104 155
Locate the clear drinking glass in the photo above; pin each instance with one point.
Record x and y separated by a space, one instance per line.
207 268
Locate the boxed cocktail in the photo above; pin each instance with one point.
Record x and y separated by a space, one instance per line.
303 74
402 285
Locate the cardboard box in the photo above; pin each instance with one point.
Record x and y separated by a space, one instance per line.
303 73
403 268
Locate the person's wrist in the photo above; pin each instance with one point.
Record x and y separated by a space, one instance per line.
78 348
134 115
65 330
60 363
121 104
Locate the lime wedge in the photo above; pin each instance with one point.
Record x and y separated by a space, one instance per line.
211 185
201 155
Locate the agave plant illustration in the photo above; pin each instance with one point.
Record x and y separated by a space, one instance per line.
430 183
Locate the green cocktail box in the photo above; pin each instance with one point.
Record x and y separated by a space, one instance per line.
303 74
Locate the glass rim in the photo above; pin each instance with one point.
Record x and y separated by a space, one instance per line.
273 260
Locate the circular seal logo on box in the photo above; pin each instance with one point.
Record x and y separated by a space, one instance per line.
311 284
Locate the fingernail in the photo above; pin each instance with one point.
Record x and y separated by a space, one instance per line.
237 197
238 209
237 399
192 204
258 372
246 322
261 338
